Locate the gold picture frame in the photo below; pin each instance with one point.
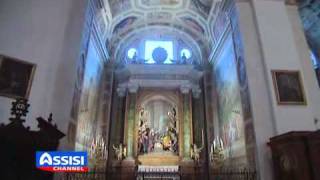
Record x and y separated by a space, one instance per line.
16 77
288 87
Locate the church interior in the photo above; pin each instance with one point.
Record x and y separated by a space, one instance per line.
161 89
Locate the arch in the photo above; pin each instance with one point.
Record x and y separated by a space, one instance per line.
199 48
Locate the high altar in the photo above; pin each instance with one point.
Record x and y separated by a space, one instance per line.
154 118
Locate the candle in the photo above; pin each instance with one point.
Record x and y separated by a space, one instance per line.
202 137
221 143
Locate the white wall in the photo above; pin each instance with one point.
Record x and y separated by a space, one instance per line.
280 48
47 33
273 39
262 111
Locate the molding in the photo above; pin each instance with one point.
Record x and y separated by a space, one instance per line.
218 47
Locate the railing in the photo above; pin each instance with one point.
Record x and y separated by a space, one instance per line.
158 172
235 174
85 176
154 175
221 174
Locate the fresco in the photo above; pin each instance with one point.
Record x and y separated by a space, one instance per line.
78 88
193 24
242 75
87 115
119 6
229 102
125 24
160 2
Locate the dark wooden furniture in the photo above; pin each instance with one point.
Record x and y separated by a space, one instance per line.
18 145
296 155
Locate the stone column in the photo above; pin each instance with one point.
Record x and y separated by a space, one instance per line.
131 121
120 114
187 123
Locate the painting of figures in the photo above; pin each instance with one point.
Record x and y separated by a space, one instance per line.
288 87
87 115
229 102
158 128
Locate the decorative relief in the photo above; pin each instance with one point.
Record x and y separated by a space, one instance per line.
119 6
161 2
159 16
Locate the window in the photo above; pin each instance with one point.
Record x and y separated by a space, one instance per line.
151 45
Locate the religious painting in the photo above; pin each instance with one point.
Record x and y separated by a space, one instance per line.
125 24
229 102
89 100
288 87
160 2
15 77
158 128
119 6
193 24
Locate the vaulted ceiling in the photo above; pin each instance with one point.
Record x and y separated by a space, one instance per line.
310 15
185 19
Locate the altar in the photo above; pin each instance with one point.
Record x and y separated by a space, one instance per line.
154 121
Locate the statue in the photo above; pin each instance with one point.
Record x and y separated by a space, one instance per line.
172 117
183 58
144 131
120 152
195 152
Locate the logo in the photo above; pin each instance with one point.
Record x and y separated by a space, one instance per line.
62 161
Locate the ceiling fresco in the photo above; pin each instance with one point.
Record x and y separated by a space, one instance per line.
201 6
310 15
124 24
187 17
119 6
161 2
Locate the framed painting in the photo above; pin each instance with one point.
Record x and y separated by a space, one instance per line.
288 87
15 77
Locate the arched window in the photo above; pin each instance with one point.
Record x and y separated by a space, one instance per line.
159 52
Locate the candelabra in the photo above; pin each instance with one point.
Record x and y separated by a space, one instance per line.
217 152
98 152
